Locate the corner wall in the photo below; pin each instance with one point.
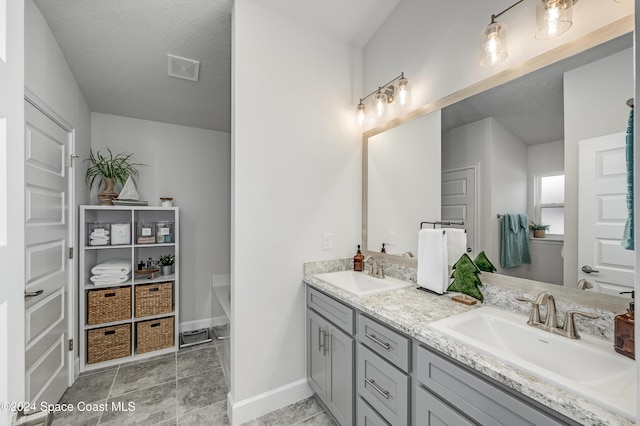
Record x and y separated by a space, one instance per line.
296 174
192 166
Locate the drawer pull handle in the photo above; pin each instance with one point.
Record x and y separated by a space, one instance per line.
373 337
378 389
327 340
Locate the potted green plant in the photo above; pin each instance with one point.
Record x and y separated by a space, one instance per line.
539 229
166 262
110 169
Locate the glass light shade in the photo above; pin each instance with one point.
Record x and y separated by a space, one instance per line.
403 93
553 17
494 45
361 115
380 103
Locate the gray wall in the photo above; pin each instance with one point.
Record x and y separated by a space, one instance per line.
192 166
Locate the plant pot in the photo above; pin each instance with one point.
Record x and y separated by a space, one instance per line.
539 233
166 270
108 194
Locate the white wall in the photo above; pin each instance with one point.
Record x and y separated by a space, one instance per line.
49 78
437 44
296 174
192 166
595 98
404 183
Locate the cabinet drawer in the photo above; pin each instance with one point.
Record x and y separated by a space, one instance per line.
479 399
339 314
387 343
367 416
383 386
430 411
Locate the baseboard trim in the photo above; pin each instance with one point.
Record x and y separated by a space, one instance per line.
251 408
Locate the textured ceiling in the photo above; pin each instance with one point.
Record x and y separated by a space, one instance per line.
530 107
117 50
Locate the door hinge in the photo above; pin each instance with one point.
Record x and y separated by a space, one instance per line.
70 345
70 252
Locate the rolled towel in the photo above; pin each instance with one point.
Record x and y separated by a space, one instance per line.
433 271
112 266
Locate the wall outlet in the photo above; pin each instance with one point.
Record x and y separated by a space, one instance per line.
391 238
327 241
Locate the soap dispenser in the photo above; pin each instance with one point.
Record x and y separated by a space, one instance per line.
384 250
358 264
624 330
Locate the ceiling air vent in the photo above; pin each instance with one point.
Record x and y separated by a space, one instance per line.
187 69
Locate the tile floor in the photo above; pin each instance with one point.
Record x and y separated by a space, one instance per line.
186 388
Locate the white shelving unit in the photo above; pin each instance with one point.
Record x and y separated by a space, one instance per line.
92 255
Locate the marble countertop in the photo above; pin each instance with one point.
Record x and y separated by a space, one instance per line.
412 310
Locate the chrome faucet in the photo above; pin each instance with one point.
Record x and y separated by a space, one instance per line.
550 323
375 270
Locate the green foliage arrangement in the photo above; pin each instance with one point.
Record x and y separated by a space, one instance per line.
465 278
167 260
538 227
483 263
117 167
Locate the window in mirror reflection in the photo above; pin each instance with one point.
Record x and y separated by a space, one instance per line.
550 202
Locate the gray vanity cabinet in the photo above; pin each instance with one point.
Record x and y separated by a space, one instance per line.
473 396
330 355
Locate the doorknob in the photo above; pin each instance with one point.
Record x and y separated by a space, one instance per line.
33 293
588 269
469 250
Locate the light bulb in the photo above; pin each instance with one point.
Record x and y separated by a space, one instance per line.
494 45
403 96
553 17
361 115
380 101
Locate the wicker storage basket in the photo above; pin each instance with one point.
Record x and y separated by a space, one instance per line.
154 334
154 299
108 305
108 343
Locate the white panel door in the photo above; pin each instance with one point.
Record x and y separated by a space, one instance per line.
11 203
459 202
47 274
602 215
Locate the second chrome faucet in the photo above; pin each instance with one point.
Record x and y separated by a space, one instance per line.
550 323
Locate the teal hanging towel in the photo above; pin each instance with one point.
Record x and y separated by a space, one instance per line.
627 237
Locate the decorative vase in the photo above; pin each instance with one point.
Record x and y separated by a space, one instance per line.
166 270
108 194
539 233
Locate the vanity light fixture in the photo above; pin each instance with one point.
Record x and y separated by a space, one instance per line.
397 90
553 17
494 44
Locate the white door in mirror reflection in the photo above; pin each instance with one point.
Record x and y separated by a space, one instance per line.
459 202
603 213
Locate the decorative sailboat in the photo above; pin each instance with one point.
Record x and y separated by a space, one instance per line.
129 195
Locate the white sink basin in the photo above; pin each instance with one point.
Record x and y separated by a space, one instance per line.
588 366
360 283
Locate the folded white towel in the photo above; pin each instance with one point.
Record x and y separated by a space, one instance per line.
456 244
120 266
109 279
433 272
99 241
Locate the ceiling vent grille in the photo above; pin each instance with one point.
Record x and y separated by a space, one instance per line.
187 69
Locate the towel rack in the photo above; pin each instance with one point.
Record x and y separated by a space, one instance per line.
499 215
440 223
630 103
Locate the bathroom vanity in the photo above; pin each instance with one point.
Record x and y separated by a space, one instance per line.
384 365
